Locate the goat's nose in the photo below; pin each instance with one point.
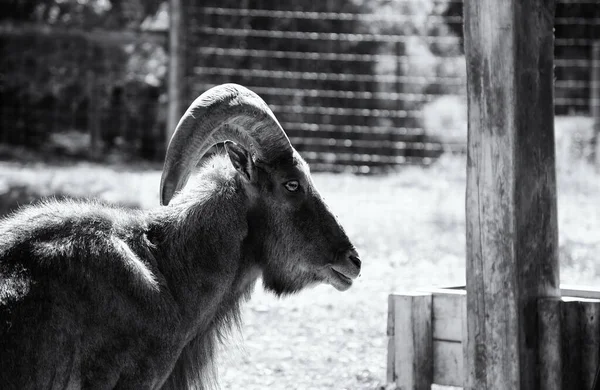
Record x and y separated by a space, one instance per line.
354 258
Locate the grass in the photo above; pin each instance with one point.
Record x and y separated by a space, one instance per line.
410 230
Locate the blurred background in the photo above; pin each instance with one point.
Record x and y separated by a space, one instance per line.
370 92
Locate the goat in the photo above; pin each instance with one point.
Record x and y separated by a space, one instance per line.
98 297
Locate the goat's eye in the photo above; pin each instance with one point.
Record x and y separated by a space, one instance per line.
292 185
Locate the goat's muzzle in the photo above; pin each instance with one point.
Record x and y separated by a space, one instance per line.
345 269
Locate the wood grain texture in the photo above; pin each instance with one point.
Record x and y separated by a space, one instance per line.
580 331
571 290
391 349
591 346
465 343
448 328
448 316
566 290
578 341
511 188
412 361
447 363
549 314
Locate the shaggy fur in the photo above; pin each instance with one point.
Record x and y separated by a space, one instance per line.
93 296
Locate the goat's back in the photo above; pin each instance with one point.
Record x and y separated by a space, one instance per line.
79 292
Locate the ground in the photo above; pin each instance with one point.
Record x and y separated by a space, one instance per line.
410 231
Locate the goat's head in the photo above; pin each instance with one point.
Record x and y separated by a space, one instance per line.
298 240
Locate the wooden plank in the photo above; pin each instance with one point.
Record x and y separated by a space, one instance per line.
391 359
512 236
580 342
566 290
409 321
571 344
549 314
590 349
447 317
391 350
465 344
447 363
578 291
580 330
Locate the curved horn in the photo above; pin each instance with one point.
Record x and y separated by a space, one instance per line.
225 112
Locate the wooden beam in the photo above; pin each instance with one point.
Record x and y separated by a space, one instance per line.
448 318
566 290
580 330
549 315
447 315
410 351
176 77
579 291
447 363
512 235
591 345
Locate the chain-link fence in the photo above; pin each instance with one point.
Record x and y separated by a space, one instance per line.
358 86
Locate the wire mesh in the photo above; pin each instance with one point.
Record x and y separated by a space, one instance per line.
362 89
82 93
357 86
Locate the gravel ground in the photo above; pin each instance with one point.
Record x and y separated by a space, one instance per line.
409 229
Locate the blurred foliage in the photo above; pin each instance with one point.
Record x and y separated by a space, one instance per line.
110 14
59 74
422 55
66 77
579 22
413 56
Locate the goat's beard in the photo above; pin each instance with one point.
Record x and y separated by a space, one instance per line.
280 283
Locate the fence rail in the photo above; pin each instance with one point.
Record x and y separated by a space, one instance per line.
333 93
356 88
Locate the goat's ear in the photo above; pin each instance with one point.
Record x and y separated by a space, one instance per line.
241 160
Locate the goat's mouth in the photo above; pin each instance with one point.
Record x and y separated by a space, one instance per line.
344 269
339 280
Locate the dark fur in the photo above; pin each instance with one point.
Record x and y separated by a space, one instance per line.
93 296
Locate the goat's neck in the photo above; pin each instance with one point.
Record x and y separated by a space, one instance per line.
206 260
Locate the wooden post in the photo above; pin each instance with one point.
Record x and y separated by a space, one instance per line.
591 345
512 234
175 88
410 353
447 325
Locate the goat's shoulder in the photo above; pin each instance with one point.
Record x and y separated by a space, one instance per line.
75 238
